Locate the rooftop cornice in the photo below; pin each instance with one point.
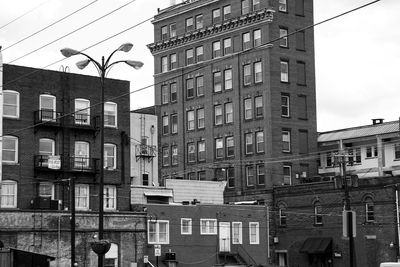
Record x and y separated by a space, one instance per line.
228 25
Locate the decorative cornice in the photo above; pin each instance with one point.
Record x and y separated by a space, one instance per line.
266 14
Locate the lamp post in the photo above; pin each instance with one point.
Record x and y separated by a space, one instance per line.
102 68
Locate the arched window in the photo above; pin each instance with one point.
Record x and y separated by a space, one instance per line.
10 104
47 107
369 210
9 191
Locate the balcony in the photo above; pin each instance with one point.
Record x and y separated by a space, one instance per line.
83 122
145 151
46 163
47 118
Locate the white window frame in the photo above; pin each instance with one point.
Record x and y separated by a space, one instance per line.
48 185
11 195
164 64
43 161
200 118
216 49
218 115
15 141
285 106
228 112
283 32
201 150
254 226
15 106
110 197
288 177
226 12
172 30
318 217
52 109
206 228
257 41
237 238
250 175
369 203
249 143
286 138
189 55
258 73
82 110
219 148
84 197
113 156
228 84
84 158
284 71
186 229
282 6
227 46
114 113
157 232
191 122
282 217
173 63
199 54
248 108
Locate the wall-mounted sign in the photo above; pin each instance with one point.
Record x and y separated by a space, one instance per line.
54 162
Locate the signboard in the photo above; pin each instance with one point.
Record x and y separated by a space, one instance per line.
349 221
157 250
54 162
145 259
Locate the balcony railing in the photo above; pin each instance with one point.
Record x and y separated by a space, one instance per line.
71 164
48 117
84 121
145 151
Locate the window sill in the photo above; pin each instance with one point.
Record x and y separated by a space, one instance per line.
284 47
318 224
284 82
286 117
301 84
303 119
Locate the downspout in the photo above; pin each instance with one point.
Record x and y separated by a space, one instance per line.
398 223
1 117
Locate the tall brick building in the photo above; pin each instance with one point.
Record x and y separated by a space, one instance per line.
236 101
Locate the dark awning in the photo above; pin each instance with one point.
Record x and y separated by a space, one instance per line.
316 245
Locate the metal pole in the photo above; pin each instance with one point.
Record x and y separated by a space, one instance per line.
101 180
72 220
398 222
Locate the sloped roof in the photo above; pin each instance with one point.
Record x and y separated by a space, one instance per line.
361 131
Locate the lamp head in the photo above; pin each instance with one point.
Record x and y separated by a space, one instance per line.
68 52
134 64
125 47
82 64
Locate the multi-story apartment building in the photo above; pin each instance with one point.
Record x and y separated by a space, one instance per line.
51 141
236 93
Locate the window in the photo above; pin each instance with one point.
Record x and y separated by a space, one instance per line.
259 142
165 156
110 156
190 120
186 226
317 213
82 111
237 233
111 257
226 12
219 174
230 146
199 54
247 74
245 7
172 30
301 73
200 118
286 141
249 143
110 197
258 105
189 88
110 114
258 72
282 6
250 175
200 85
174 123
46 190
201 175
300 41
246 41
284 71
174 95
201 150
283 41
248 109
191 152
282 258
47 107
302 107
396 151
254 233
282 216
164 64
329 159
256 4
216 15
189 24
164 94
227 46
287 174
354 156
173 61
216 48
82 197
260 174
81 156
199 21
9 191
10 149
257 38
164 32
158 232
230 177
303 141
10 104
285 106
371 151
208 226
219 148
189 57
369 210
228 112
191 176
165 124
174 153
299 7
218 117
217 83
46 148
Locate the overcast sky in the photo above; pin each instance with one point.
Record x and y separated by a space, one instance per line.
357 56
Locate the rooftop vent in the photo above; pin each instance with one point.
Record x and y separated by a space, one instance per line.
377 121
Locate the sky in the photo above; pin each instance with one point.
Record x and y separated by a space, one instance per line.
357 56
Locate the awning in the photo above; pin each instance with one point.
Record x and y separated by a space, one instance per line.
158 193
316 245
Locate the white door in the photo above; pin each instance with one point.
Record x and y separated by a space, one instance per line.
224 237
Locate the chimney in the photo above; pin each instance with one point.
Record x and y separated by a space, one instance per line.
377 121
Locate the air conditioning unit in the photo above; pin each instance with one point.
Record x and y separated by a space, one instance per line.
44 203
170 256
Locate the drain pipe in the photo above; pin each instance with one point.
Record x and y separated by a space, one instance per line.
398 222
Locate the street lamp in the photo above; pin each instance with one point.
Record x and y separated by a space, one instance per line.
102 67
